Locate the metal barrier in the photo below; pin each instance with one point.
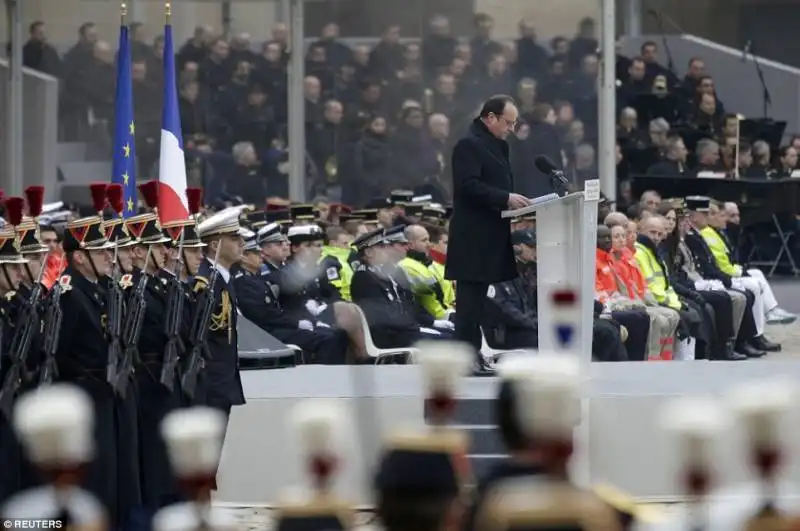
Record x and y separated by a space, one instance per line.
39 129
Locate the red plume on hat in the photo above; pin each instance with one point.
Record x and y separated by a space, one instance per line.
14 208
149 192
114 196
98 196
194 197
34 196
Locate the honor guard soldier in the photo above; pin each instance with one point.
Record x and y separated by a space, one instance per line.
11 275
194 441
257 298
220 232
55 426
186 231
83 343
550 392
422 474
318 426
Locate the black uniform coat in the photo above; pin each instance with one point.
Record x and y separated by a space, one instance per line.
704 259
222 370
482 181
298 284
391 324
81 360
257 298
510 319
155 400
10 450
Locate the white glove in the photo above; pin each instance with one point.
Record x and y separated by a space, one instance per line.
305 325
444 324
312 306
320 324
321 308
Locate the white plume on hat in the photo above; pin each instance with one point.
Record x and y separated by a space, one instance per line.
696 421
443 364
550 395
56 425
194 440
320 427
761 406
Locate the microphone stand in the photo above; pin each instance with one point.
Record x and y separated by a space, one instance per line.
765 94
664 42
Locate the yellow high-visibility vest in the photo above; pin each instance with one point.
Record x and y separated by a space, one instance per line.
656 277
720 252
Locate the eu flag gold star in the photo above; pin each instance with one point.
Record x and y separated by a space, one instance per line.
131 128
130 205
125 178
126 150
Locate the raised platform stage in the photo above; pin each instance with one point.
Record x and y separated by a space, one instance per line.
619 441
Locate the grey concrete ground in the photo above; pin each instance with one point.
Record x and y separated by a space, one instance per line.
788 294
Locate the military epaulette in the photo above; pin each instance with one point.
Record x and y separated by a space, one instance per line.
126 281
65 282
239 274
627 508
200 283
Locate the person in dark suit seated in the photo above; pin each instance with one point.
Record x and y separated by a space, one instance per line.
675 163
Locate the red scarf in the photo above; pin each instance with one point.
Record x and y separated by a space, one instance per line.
439 258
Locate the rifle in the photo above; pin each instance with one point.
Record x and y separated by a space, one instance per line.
52 328
175 297
198 335
132 329
27 325
114 324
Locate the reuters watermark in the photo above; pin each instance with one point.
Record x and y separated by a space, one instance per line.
33 523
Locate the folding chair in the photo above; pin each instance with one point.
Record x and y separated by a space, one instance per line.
380 355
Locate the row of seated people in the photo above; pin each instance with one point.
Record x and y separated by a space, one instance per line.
669 277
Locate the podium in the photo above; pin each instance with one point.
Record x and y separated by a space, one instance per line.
566 239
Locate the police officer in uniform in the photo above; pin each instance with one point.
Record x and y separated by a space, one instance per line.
82 353
220 232
193 438
257 298
273 244
11 274
55 426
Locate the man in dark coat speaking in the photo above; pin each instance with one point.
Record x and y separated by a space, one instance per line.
480 252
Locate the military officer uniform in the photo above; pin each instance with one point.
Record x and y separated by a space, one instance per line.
55 426
10 451
222 380
82 355
257 299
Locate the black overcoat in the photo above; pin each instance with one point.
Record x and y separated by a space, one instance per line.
480 247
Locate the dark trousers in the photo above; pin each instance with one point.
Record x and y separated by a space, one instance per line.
747 330
470 297
607 343
638 325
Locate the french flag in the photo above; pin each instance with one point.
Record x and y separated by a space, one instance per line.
172 203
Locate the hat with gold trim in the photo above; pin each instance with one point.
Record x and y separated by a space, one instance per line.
400 197
116 230
414 209
281 216
85 234
27 228
257 219
224 222
302 212
367 215
319 428
187 227
146 230
10 252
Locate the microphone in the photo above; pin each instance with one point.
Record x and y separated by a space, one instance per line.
746 49
557 179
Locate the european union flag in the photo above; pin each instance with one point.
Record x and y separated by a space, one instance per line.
124 160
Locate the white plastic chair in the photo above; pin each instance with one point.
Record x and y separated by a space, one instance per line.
381 354
493 354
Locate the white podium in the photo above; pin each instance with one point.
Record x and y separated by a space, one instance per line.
566 239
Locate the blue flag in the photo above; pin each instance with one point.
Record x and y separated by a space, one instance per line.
124 160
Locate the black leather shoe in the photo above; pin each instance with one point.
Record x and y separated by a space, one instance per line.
750 351
762 343
733 356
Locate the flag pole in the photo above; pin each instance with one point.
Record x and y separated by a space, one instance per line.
168 11
123 12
